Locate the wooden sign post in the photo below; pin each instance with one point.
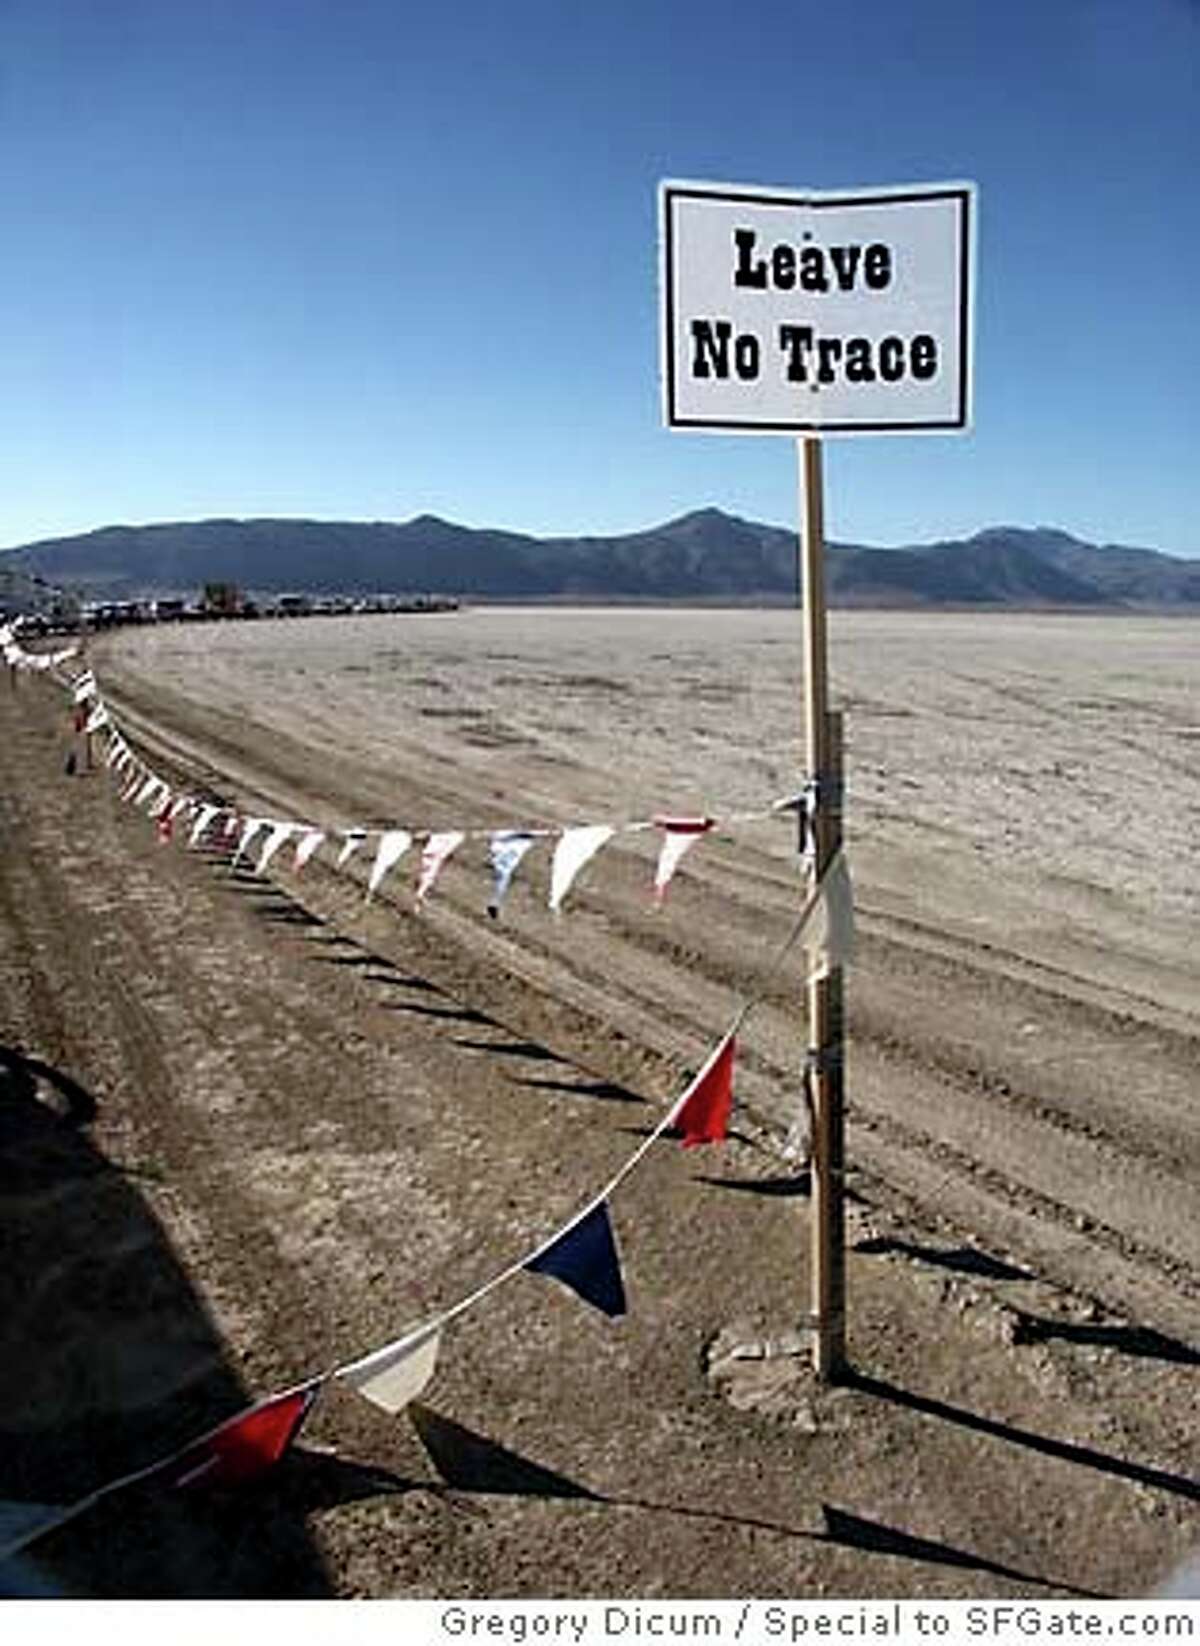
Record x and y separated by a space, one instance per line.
825 1062
810 314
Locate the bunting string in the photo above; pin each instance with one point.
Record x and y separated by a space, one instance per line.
575 845
582 1253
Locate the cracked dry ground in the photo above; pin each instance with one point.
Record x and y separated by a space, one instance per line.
252 1128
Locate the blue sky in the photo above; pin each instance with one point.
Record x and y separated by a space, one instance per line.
362 259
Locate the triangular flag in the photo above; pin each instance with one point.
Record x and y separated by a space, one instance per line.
353 839
508 847
203 818
279 833
84 686
179 804
575 848
393 843
584 1257
433 858
97 718
146 788
243 1447
680 834
250 828
397 1373
829 938
306 846
702 1113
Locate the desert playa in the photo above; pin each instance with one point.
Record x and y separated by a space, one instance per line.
255 1125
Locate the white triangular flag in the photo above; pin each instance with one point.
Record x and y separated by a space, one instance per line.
680 834
396 1374
829 940
280 832
353 839
393 843
146 788
433 857
85 686
180 804
574 849
97 718
306 846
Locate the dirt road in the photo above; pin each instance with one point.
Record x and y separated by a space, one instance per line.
253 1129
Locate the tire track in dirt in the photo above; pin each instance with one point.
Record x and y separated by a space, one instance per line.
149 1043
109 1358
1061 1168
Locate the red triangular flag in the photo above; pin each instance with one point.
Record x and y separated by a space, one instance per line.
704 1112
245 1446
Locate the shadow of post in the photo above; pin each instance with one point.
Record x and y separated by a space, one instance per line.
1087 1457
472 1463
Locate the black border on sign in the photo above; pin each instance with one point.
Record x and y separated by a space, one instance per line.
816 202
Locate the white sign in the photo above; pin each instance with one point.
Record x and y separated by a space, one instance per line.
794 313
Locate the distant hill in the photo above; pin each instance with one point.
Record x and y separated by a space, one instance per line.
20 591
705 556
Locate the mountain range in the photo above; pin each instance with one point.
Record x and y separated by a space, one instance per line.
705 556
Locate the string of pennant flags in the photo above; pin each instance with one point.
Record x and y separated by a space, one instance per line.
574 845
582 1254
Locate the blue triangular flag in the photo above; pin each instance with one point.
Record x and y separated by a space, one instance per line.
584 1257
